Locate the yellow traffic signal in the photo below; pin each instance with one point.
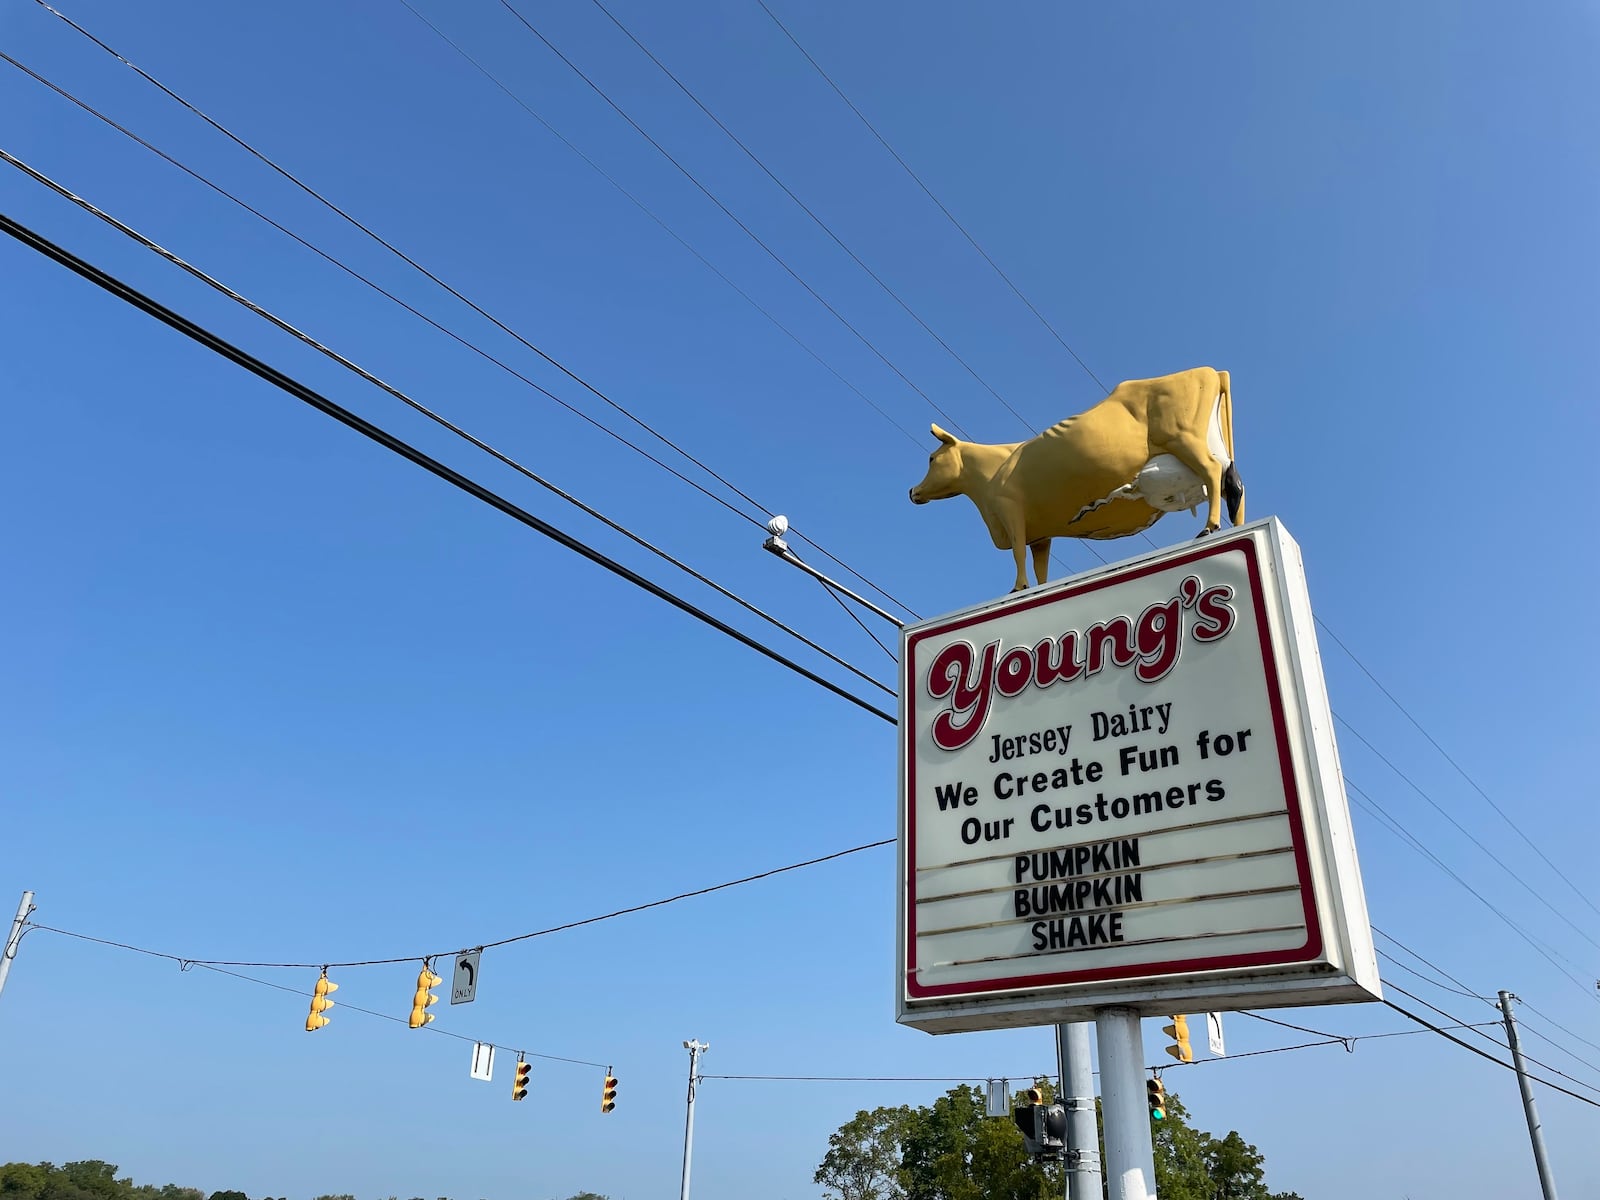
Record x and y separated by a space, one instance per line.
519 1082
424 998
1157 1097
320 1004
1033 1096
1178 1031
608 1095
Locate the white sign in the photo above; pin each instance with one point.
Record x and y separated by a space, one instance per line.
1214 1035
464 987
1122 789
999 1104
482 1061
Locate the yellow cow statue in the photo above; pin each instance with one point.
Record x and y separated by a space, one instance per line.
1153 446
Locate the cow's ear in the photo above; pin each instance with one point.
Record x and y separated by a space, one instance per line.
944 437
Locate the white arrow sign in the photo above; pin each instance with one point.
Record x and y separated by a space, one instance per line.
464 988
1214 1034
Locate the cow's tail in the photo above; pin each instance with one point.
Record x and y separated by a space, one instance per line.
1232 484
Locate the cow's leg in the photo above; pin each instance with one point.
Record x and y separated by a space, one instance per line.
1193 453
1041 560
1011 520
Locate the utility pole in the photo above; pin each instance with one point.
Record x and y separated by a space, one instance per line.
1547 1182
14 938
1077 1096
695 1049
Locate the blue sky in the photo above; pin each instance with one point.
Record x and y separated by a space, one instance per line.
274 695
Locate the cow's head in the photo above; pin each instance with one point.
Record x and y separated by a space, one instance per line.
943 479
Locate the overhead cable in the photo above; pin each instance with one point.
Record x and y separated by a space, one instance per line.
756 238
1581 893
390 442
805 208
306 188
419 407
828 79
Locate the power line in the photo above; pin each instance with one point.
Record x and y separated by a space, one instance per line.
389 441
828 79
521 937
710 195
1466 991
417 406
1544 951
820 223
382 291
1460 770
1560 1026
1496 1042
673 233
1425 1023
1502 1045
435 279
1442 811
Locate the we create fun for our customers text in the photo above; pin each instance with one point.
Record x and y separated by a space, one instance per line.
1073 894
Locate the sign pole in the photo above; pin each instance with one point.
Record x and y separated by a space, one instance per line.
1077 1095
1130 1153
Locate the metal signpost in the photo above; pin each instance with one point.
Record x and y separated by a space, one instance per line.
1120 797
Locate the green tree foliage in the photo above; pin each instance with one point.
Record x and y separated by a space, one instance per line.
88 1180
863 1159
949 1150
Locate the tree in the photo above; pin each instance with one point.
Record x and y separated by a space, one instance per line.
863 1159
951 1150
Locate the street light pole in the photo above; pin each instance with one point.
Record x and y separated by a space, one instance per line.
695 1049
14 938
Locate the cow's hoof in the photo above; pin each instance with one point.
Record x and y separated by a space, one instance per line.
1201 534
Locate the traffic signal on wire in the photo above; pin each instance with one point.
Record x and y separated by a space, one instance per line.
519 1081
320 1004
424 997
1157 1096
1178 1031
608 1094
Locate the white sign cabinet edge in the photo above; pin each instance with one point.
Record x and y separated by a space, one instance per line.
1339 897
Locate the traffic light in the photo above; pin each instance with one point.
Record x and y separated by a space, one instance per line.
320 1004
608 1094
1043 1126
1178 1031
519 1082
424 998
1157 1096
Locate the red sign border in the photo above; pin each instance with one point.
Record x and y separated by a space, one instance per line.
1310 951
